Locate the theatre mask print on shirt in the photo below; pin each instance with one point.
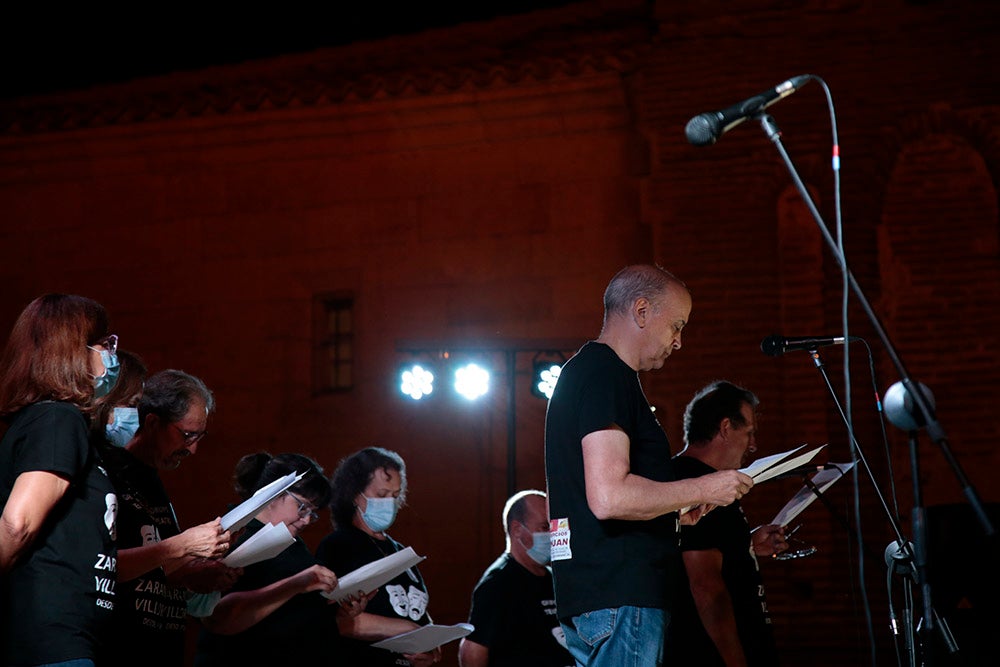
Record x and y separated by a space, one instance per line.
410 603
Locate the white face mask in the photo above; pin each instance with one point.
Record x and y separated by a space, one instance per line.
121 430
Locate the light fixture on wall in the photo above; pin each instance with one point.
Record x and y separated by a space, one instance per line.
479 369
472 381
416 381
545 373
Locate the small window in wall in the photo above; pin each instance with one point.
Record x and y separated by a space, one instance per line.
333 343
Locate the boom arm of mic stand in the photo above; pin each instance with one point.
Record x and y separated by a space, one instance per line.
934 429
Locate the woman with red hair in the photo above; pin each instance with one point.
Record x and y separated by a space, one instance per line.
57 552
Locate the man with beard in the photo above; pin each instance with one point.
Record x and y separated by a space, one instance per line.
159 566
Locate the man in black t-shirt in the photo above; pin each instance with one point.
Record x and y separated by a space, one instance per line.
158 564
612 495
720 616
513 605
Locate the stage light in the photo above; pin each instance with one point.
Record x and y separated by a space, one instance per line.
472 381
544 376
416 382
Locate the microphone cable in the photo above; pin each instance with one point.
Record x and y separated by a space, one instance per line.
848 403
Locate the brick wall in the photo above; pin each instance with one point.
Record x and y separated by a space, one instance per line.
482 184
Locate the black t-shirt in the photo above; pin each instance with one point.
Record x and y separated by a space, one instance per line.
301 631
345 550
727 530
57 600
150 619
514 613
612 563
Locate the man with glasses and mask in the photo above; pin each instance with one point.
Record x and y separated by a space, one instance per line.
513 605
159 565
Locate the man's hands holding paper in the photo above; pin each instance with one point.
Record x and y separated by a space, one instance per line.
716 489
208 540
768 540
724 487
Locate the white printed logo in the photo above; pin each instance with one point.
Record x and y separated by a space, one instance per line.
409 604
111 515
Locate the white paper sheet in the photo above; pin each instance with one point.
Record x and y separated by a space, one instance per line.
266 543
243 513
425 638
368 577
764 469
823 480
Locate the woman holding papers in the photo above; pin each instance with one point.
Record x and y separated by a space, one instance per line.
275 611
57 550
369 487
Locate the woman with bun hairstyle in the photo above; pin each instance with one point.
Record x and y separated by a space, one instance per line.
57 526
275 610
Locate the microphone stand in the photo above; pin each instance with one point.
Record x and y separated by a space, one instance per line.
908 556
904 557
934 428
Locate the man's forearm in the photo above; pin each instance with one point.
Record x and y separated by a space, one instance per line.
716 613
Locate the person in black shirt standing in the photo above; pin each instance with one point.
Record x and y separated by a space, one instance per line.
57 551
720 617
612 495
369 487
513 605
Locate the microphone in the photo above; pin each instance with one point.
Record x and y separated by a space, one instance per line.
705 129
775 346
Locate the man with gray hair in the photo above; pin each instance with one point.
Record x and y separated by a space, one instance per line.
158 565
613 498
513 606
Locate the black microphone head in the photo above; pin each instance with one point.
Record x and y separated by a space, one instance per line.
773 346
703 129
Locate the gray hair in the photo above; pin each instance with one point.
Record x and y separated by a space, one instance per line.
636 282
169 395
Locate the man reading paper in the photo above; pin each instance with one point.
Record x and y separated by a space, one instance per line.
720 616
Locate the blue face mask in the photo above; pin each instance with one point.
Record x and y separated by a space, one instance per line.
105 383
121 430
379 513
540 550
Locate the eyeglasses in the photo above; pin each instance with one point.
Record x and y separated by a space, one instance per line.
305 509
190 437
109 343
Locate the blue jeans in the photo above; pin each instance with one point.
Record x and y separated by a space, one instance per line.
618 637
76 662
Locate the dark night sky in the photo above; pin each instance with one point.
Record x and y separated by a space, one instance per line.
42 53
